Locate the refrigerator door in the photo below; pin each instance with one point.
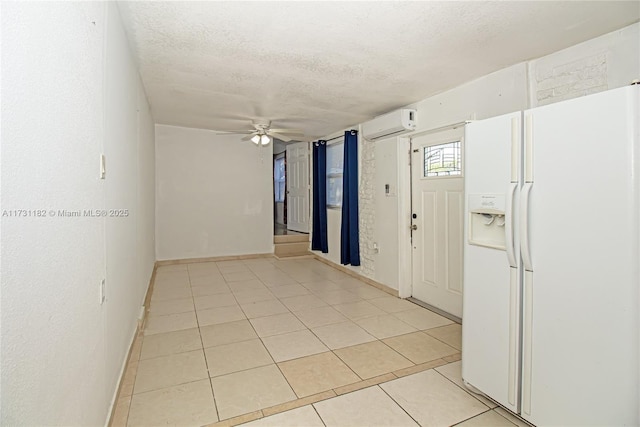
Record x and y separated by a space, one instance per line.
491 298
580 335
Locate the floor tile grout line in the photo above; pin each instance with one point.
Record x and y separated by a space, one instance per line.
204 355
347 365
397 352
396 402
424 331
170 386
313 405
288 383
457 385
509 414
475 416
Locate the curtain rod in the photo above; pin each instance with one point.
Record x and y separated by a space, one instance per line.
334 138
338 137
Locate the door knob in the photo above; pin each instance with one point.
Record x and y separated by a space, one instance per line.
414 227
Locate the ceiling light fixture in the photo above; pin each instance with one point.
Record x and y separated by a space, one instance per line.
261 139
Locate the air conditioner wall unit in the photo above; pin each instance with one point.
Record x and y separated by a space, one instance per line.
390 124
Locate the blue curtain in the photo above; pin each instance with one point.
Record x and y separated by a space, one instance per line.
319 234
350 233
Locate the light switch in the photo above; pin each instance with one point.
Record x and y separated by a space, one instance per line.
103 170
103 296
389 190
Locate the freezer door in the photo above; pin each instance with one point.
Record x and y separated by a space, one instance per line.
491 297
581 298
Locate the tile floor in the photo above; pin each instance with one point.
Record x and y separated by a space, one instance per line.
292 343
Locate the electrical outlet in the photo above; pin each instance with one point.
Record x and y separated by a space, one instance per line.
103 297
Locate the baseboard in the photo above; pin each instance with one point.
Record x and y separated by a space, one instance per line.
357 275
142 318
212 259
300 256
147 297
123 369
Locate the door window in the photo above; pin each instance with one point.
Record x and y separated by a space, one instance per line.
442 160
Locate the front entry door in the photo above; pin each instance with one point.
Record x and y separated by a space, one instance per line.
298 187
437 200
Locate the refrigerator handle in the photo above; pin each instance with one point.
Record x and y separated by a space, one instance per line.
508 225
527 343
524 226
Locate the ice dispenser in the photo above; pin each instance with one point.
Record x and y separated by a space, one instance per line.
486 220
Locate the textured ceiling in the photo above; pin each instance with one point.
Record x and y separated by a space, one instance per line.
323 66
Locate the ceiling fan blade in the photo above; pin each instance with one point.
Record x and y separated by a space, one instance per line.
232 132
291 131
248 137
280 136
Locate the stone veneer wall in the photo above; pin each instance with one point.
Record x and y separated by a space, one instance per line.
367 206
577 78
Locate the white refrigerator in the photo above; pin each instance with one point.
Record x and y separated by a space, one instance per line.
551 298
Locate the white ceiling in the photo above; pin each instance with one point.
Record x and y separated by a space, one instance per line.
323 66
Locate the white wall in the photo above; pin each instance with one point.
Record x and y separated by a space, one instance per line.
279 147
129 150
213 195
386 237
146 224
494 94
61 350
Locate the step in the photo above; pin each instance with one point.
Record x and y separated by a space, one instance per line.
282 250
291 238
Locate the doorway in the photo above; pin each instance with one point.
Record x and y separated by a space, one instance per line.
437 210
291 188
298 187
279 192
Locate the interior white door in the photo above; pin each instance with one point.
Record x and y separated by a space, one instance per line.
437 219
298 187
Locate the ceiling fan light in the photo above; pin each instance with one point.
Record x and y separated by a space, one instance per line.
255 139
264 139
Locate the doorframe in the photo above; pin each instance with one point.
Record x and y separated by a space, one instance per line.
405 255
405 271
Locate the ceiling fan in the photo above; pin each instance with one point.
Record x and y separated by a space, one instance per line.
263 134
